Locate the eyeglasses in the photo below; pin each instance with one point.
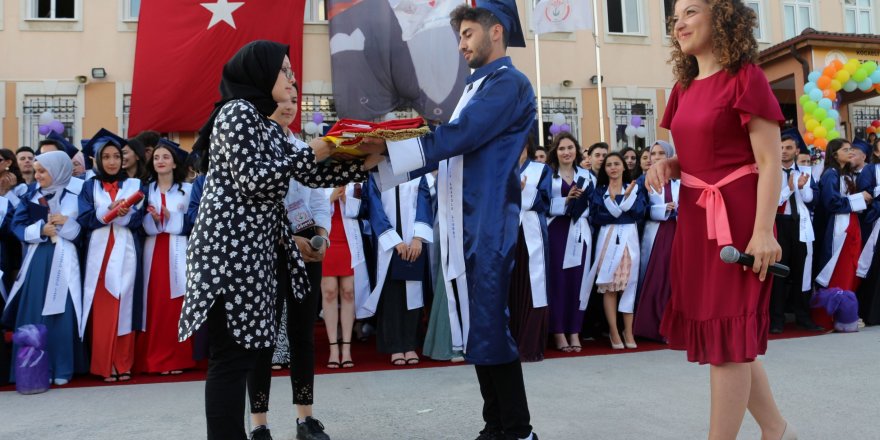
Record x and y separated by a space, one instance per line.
288 73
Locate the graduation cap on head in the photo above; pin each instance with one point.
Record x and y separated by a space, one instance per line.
507 14
65 145
798 139
862 145
175 148
93 146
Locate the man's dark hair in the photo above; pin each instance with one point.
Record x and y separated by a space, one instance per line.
24 149
788 137
486 19
44 142
149 138
595 146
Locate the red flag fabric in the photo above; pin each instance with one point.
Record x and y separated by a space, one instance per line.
182 46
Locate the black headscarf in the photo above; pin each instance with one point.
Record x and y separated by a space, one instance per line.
100 173
250 75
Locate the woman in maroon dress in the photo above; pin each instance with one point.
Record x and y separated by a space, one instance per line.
724 119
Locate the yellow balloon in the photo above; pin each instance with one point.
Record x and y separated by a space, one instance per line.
820 131
843 75
812 124
836 85
852 65
808 117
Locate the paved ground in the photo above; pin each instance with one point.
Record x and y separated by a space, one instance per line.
827 386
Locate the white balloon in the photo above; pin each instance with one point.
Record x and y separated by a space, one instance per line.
46 117
630 130
310 128
559 119
642 132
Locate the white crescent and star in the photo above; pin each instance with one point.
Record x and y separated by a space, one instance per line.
222 11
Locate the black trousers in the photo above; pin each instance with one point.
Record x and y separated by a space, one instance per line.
505 408
228 368
787 291
301 336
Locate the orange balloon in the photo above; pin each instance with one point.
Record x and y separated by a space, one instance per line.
824 81
837 64
821 143
830 94
871 129
809 138
829 71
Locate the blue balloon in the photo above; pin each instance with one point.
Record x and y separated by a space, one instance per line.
816 95
825 103
833 114
875 77
809 87
814 76
850 85
866 85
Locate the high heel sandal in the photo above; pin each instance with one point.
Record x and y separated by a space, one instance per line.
333 364
615 346
349 363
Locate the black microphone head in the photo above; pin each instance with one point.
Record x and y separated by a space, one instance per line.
729 254
316 242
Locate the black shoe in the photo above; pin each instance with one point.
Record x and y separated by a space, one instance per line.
311 429
776 329
261 433
811 326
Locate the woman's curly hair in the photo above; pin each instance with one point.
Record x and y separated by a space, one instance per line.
733 40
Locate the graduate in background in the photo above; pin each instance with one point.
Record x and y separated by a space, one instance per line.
656 250
569 240
401 219
476 152
616 206
838 223
166 227
111 265
794 232
48 290
529 313
869 262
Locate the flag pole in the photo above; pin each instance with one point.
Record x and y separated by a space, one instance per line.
538 91
599 72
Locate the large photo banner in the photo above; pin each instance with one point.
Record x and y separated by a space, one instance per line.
392 54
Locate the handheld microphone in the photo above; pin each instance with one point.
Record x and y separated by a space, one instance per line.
730 254
316 242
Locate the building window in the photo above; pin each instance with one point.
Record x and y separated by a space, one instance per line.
624 17
668 13
52 9
861 117
312 104
624 110
798 15
568 108
126 112
858 16
131 9
316 11
63 107
758 7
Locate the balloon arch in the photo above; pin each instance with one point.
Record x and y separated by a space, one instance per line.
821 120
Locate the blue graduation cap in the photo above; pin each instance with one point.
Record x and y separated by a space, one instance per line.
93 146
798 139
507 14
65 145
862 145
175 147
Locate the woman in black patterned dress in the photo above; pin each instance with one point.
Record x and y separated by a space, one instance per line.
241 228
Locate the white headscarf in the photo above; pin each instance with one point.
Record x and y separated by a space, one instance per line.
667 147
60 167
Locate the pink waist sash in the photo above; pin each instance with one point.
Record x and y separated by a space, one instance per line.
717 223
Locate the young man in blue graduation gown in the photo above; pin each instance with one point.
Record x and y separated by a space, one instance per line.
477 154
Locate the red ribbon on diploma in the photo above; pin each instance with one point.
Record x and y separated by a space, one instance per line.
132 200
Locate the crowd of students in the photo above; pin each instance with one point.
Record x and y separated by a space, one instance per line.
107 277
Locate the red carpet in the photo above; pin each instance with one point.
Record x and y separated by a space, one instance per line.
366 358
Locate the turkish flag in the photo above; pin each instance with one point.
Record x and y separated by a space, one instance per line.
182 46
